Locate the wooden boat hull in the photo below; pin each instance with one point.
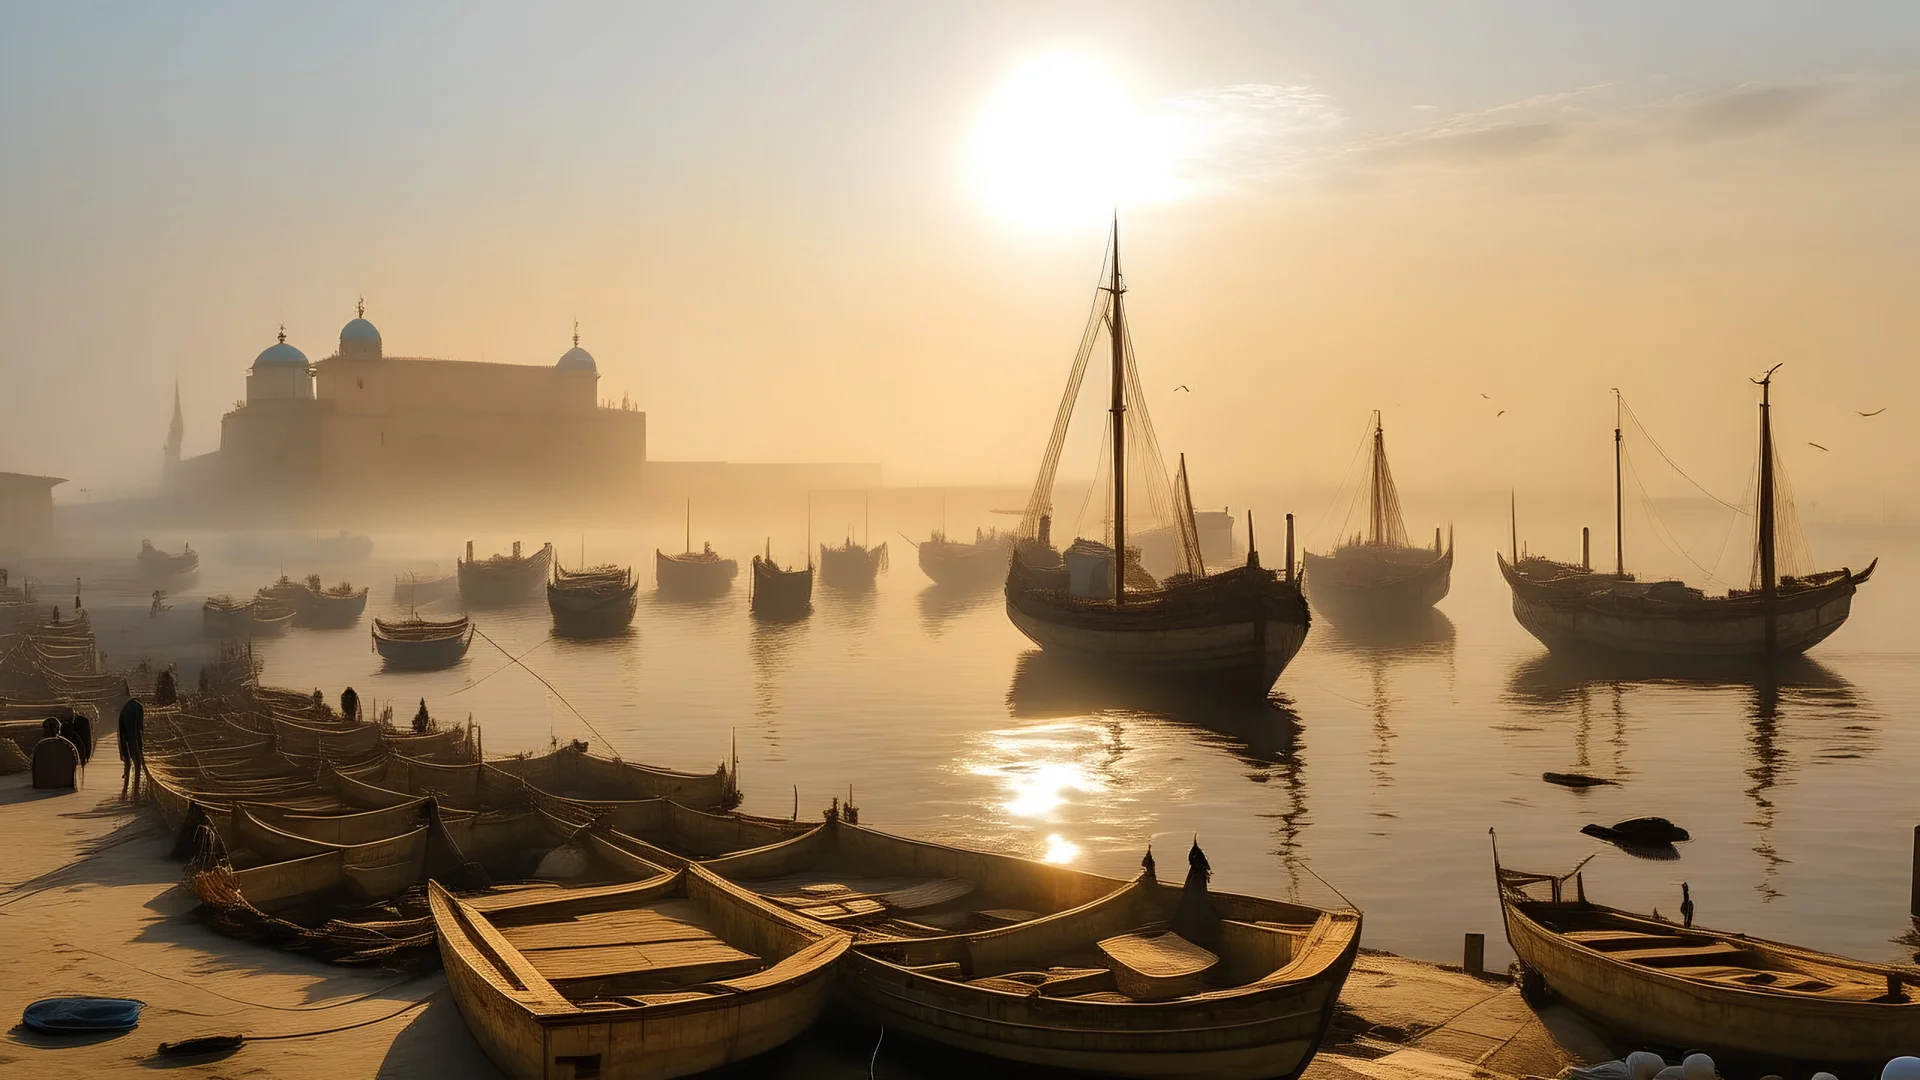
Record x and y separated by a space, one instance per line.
228 624
1353 596
693 577
326 611
1701 630
580 613
1245 656
423 654
1269 1024
851 567
505 581
163 566
533 1032
964 565
425 590
1658 1006
781 594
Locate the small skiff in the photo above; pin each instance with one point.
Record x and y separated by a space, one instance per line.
666 978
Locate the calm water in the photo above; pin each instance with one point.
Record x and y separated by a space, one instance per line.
1377 767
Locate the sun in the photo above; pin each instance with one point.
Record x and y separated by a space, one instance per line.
1061 143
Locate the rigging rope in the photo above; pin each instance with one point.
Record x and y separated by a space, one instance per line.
1040 501
1651 441
556 693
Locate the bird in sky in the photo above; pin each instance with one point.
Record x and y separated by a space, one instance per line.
1499 414
1489 397
1875 412
1817 446
1181 387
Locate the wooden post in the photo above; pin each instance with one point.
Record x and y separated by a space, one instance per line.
1913 905
1476 958
1436 539
1289 547
1586 548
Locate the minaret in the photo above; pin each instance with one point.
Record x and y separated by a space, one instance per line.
176 433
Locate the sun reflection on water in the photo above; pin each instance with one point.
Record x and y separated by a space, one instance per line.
1041 789
1060 849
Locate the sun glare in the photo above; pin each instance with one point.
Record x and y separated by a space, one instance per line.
1062 144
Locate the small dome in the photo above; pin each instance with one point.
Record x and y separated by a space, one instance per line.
577 359
281 353
359 330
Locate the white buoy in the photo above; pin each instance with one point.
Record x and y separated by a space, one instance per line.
1644 1065
1698 1067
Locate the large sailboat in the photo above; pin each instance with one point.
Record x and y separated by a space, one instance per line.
1378 575
1233 631
1578 609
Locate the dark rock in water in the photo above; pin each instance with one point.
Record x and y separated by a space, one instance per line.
1575 780
1647 831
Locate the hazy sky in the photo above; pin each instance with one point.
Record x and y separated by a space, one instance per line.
870 231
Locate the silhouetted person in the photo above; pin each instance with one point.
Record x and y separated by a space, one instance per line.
349 706
55 761
78 730
319 701
206 682
133 748
1194 918
166 689
422 720
1686 906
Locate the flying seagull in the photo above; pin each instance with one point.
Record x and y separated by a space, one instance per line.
1875 412
1487 396
1499 414
1817 446
1181 387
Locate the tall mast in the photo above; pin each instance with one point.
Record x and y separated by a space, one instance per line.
689 548
1376 523
1619 497
1117 331
1769 581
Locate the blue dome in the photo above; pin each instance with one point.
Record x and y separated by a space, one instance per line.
282 353
577 359
359 330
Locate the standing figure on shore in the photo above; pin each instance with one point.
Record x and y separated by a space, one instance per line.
133 750
55 761
78 730
166 688
423 720
350 706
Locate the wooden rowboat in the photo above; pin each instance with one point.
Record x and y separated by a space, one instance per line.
422 644
1696 988
668 978
1123 986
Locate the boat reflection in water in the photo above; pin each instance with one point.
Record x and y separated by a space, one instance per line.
941 604
1089 735
1376 645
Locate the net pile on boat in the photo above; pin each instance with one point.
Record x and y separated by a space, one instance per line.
401 942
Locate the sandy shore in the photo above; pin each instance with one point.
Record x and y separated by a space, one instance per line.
90 904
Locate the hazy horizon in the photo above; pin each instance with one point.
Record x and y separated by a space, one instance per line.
864 233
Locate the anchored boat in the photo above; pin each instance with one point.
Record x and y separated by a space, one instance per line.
1233 631
503 579
165 564
422 644
595 602
780 593
961 564
1379 575
1578 609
